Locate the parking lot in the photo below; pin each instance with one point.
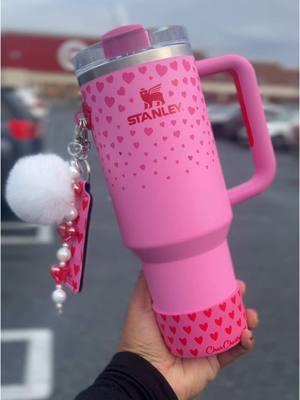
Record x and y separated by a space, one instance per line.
78 344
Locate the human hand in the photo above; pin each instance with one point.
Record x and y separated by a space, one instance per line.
187 377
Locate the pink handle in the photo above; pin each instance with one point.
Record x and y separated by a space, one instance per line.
254 119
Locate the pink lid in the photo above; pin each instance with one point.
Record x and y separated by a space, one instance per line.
124 40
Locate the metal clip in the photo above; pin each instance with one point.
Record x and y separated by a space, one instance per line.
80 146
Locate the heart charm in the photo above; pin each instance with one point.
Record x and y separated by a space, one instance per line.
59 274
66 232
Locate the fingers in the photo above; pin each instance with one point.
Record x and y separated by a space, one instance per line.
141 296
246 345
247 340
252 318
242 285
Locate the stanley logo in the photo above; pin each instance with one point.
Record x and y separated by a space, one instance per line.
155 105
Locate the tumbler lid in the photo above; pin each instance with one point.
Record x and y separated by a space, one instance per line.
126 41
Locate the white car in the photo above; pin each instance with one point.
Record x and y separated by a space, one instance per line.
32 99
281 129
226 119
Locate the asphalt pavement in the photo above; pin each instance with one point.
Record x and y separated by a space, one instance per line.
264 245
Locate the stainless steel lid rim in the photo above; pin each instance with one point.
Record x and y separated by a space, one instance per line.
93 71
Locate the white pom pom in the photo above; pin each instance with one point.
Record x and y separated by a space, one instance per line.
39 189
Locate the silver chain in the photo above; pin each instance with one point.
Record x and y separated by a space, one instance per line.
80 146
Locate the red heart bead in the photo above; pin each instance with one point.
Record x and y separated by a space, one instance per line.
66 232
59 274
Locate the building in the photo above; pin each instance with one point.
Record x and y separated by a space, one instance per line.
45 61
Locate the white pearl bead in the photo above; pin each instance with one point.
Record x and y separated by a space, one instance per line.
59 296
72 214
75 174
63 254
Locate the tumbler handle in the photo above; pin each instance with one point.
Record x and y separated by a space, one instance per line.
254 120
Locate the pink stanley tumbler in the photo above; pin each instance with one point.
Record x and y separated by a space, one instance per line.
143 98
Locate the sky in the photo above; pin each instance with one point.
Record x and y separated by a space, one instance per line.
265 30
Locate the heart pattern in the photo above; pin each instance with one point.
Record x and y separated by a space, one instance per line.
206 332
173 139
77 243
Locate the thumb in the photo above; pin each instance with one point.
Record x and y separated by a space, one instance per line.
141 299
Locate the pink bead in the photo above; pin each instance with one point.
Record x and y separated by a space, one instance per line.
78 188
66 232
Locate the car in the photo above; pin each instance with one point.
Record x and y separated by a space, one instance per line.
227 120
21 135
220 116
283 129
33 100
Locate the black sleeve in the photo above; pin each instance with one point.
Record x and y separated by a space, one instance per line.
129 376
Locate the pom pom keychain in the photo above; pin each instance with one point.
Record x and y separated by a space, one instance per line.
44 189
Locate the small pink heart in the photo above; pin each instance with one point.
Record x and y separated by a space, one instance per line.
110 78
76 269
99 86
128 76
108 156
164 138
184 121
112 145
136 144
174 65
198 121
195 98
162 124
193 81
186 65
183 94
214 335
142 166
79 237
190 157
198 339
161 69
120 139
176 134
173 122
116 164
148 131
187 329
194 352
174 82
191 110
185 81
109 119
93 98
192 137
121 91
173 329
88 89
142 69
105 133
85 203
171 93
121 108
109 101
132 132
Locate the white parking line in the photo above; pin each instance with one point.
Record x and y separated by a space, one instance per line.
44 234
38 371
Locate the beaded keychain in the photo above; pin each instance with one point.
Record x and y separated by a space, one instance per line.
45 189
